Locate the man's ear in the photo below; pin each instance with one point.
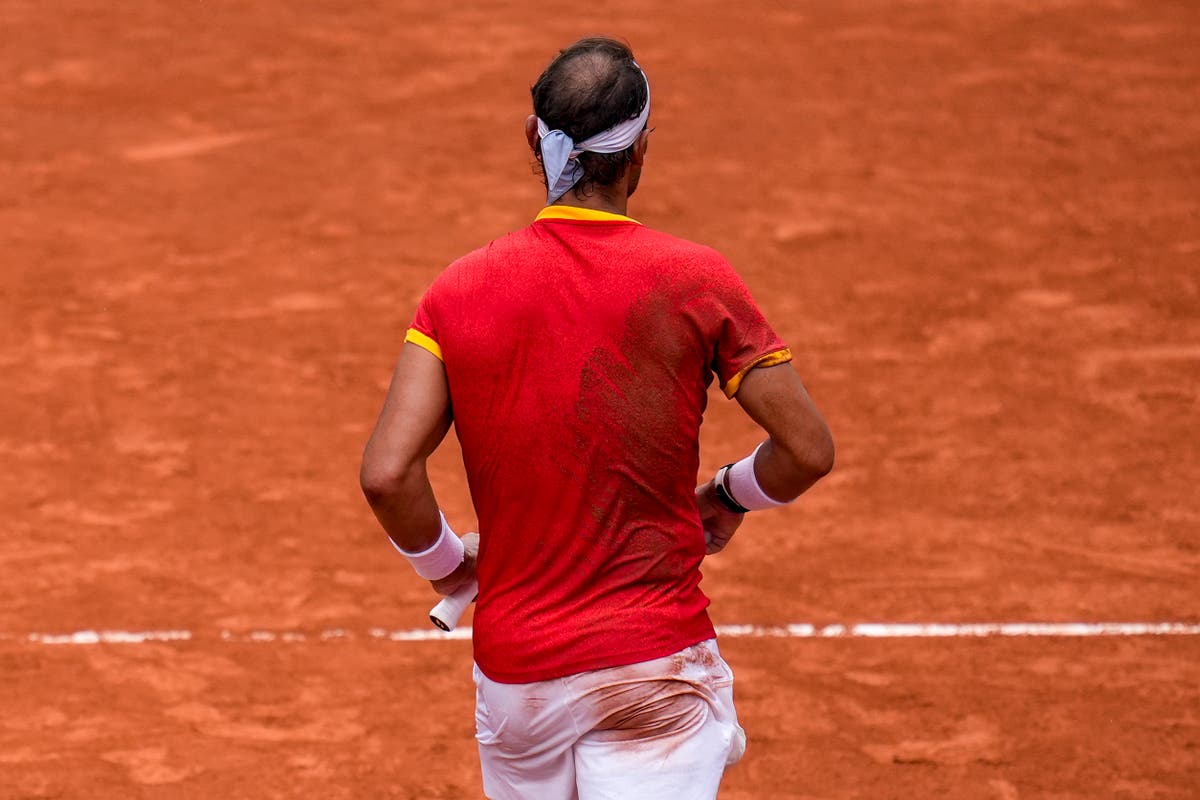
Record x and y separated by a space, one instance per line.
639 148
531 133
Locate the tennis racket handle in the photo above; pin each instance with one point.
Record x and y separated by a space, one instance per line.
446 613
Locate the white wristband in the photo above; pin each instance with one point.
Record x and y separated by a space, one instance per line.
743 487
441 558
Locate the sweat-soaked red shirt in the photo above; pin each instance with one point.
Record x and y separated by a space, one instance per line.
578 353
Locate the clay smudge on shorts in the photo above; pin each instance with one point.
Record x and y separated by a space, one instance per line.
706 667
696 654
646 711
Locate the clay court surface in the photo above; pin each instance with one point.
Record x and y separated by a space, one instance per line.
977 223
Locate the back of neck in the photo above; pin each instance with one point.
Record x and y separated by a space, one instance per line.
612 199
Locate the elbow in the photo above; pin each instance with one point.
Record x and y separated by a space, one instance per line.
812 456
381 479
823 454
375 484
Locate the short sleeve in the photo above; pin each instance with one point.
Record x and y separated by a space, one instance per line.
423 331
743 339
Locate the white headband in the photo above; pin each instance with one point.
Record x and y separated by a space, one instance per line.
560 152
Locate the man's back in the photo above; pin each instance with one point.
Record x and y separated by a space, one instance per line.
574 357
578 352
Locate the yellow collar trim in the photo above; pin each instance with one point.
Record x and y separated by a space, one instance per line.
582 215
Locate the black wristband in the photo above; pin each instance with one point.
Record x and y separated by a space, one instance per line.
723 492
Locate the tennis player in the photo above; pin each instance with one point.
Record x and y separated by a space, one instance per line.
573 356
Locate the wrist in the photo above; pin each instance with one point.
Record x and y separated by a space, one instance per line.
439 559
721 490
739 484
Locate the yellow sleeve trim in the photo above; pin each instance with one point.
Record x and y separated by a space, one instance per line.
768 360
582 214
425 342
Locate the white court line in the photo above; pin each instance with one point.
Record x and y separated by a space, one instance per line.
936 630
102 637
867 630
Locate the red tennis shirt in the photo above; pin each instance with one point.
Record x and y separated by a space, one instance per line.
578 353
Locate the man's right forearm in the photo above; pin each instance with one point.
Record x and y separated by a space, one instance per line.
403 502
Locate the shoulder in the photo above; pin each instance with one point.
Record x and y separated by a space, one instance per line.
480 257
677 244
687 260
479 264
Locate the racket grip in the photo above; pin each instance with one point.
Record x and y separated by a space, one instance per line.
446 613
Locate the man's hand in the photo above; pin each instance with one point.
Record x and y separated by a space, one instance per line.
465 573
718 521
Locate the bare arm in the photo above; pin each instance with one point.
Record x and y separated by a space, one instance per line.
797 453
414 421
799 450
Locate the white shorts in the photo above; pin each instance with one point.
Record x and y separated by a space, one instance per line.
659 730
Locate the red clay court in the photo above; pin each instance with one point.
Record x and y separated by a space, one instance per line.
976 223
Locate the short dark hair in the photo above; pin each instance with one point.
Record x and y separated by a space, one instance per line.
589 87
